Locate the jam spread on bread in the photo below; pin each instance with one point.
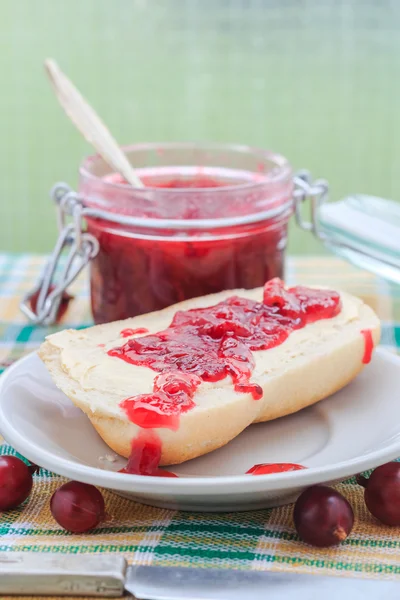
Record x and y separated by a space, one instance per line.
128 331
172 396
209 344
269 468
368 345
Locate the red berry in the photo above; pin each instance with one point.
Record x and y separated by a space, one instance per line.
77 507
382 493
15 482
322 516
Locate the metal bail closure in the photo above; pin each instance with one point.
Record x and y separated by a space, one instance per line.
74 248
314 191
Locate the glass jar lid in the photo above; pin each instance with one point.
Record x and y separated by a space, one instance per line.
365 230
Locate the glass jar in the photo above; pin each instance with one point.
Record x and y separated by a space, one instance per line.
210 218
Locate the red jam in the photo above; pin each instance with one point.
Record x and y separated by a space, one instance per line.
269 468
143 270
172 396
128 332
208 344
368 346
199 181
145 456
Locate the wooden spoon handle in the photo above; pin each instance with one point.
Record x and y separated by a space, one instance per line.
89 124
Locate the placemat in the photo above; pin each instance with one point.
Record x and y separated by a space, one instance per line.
259 540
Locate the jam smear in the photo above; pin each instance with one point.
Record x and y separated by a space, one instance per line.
269 468
128 331
145 456
172 395
208 344
368 346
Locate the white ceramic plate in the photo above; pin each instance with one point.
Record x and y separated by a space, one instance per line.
354 430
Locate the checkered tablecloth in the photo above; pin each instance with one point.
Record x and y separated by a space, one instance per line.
263 539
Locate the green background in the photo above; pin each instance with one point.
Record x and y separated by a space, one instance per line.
318 81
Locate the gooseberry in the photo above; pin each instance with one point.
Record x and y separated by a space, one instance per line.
77 507
382 493
322 516
15 482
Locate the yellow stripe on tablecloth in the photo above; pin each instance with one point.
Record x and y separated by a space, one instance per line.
124 511
308 262
45 598
78 311
10 312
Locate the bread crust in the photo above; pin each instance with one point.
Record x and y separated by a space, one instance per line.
307 375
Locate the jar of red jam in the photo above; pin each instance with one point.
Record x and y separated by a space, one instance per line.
208 218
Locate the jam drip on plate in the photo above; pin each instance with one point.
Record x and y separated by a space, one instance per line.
145 456
208 344
368 346
269 468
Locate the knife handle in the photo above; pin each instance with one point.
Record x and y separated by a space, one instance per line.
23 573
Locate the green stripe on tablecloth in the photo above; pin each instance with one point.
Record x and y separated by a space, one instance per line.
356 567
102 547
26 531
235 532
235 535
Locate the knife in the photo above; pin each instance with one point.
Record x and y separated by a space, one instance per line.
109 576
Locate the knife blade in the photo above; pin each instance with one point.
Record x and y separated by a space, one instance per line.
108 576
175 583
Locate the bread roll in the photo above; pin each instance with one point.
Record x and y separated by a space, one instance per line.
312 363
